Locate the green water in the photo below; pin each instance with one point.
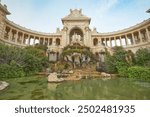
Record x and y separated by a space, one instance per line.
37 88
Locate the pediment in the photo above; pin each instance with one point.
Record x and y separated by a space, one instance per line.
76 15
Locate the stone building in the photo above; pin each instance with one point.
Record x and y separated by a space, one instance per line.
75 30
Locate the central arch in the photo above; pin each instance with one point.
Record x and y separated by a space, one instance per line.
76 33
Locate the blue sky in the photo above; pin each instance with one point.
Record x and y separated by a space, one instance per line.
106 15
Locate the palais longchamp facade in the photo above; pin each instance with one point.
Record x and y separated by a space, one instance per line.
75 30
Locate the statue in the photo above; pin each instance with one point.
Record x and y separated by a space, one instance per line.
76 38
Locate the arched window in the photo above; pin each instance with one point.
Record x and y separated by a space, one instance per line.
95 41
57 42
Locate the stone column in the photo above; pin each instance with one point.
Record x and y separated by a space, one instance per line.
34 38
48 42
99 41
147 32
120 41
140 36
65 29
44 41
16 37
54 42
105 41
29 40
126 40
39 40
86 38
110 41
115 41
10 35
133 39
22 38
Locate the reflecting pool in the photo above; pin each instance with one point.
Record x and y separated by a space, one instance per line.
37 88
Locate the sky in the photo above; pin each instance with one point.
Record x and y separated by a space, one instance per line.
106 15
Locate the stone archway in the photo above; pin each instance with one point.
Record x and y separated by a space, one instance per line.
95 41
57 42
76 36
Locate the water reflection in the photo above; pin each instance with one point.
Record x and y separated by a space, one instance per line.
88 89
52 86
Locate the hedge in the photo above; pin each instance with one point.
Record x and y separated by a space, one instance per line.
139 72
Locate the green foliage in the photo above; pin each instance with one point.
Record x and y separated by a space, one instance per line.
18 62
143 57
39 57
41 47
74 50
122 62
114 62
122 68
11 71
110 64
119 54
139 72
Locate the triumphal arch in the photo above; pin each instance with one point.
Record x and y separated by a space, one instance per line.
75 30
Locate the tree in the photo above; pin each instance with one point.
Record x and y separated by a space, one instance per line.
17 62
143 57
116 63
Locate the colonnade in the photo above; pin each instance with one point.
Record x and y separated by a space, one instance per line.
15 35
135 37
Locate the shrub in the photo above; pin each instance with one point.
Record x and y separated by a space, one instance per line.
17 62
143 57
110 64
122 68
112 61
11 71
139 72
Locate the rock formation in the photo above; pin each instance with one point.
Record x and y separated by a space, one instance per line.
3 85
